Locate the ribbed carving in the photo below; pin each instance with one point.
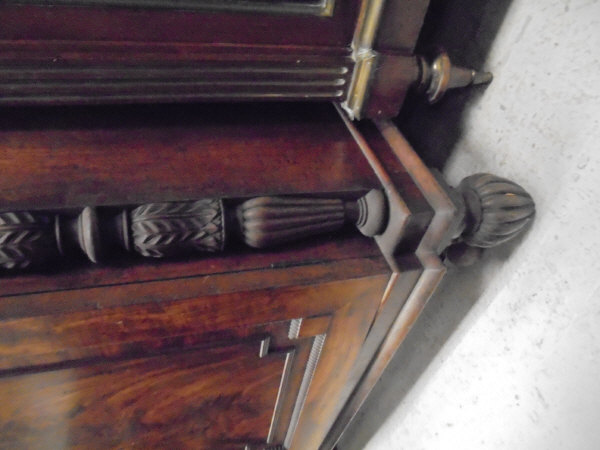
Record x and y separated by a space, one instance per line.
267 221
309 372
161 229
497 209
25 239
173 228
294 331
283 79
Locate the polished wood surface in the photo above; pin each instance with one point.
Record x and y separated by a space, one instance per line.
110 156
186 400
32 23
148 342
90 54
290 330
154 53
78 347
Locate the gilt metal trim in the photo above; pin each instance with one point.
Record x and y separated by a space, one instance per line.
364 56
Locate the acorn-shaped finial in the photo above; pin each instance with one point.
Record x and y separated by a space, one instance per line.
497 209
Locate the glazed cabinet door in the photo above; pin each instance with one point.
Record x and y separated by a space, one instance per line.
243 370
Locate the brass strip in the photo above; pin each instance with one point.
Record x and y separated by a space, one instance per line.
364 56
368 22
360 83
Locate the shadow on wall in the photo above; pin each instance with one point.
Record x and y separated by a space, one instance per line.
466 30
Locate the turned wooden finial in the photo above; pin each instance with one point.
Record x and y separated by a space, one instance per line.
496 211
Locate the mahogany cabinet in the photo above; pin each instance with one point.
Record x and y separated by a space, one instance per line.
272 347
216 275
226 350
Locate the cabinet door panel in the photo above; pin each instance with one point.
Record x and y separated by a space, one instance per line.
207 398
270 365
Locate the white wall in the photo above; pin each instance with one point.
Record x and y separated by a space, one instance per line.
507 354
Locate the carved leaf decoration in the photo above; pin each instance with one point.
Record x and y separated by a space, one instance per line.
25 238
162 229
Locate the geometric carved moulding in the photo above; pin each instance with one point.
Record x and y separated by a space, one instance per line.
159 230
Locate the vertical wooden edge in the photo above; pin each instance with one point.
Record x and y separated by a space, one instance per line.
327 393
311 366
438 234
447 214
287 367
301 334
400 25
399 212
391 80
422 292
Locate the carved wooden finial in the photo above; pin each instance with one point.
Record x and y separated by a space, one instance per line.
497 209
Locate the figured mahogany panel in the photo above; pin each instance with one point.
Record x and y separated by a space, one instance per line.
321 324
209 398
134 156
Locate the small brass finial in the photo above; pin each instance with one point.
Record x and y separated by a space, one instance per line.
439 75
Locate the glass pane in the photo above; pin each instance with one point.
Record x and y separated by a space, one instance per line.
318 7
